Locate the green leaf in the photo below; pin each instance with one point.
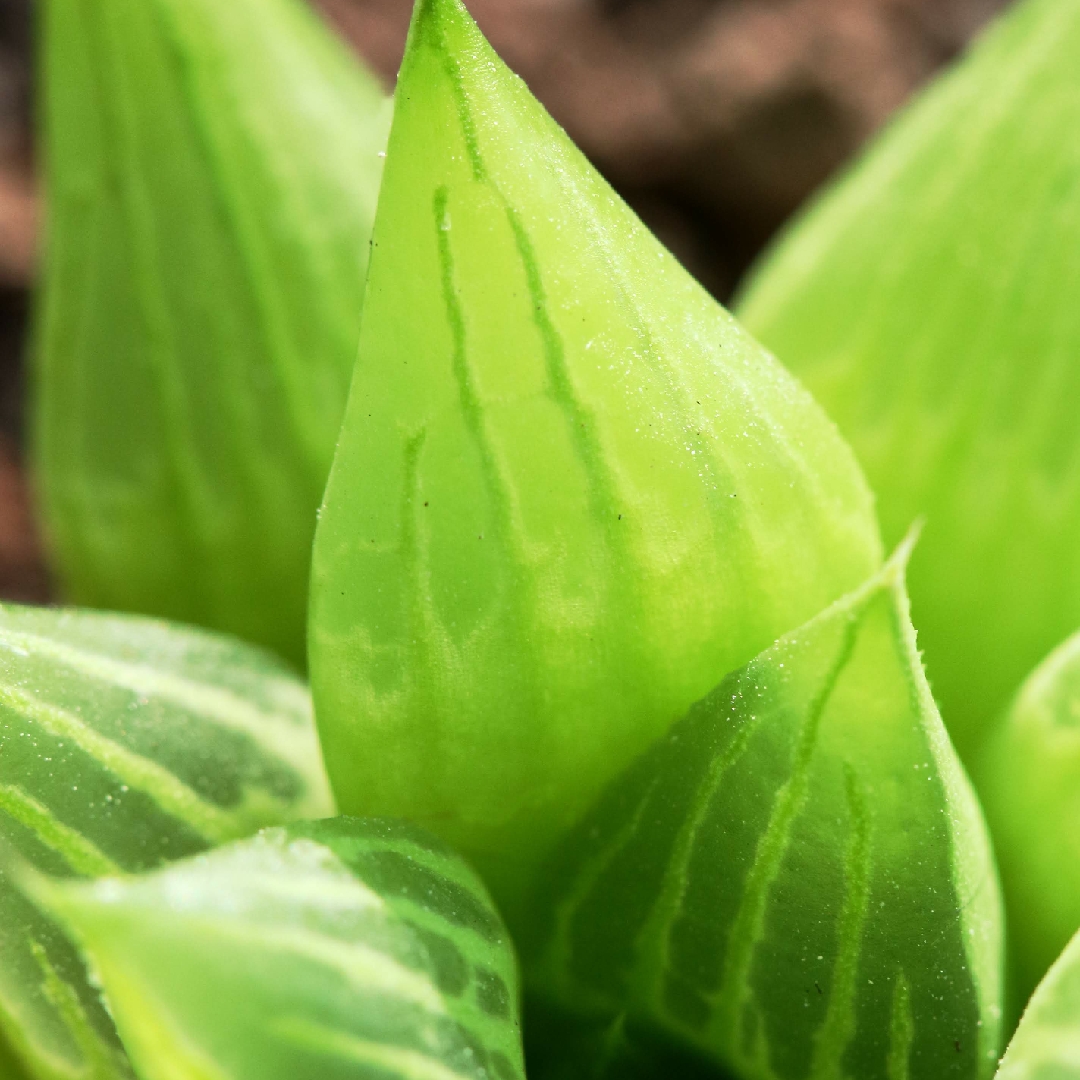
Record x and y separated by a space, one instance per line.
795 883
336 949
124 743
570 492
1029 781
929 302
211 173
1046 1045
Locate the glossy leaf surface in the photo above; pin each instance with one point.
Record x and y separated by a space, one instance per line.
795 882
1029 781
336 949
211 173
570 492
1046 1045
929 302
124 743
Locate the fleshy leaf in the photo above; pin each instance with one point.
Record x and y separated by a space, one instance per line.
124 743
1029 781
211 173
336 949
1046 1045
795 883
570 492
929 303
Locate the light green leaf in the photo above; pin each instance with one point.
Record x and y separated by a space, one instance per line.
334 950
1029 780
570 492
929 302
211 174
1046 1045
124 743
795 883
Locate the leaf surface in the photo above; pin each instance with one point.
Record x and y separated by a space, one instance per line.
125 743
570 492
795 883
1029 780
211 174
929 303
334 949
1046 1045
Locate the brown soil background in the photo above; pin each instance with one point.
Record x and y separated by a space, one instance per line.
715 119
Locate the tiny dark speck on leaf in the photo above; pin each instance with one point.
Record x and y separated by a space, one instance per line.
425 504
817 986
620 517
956 1043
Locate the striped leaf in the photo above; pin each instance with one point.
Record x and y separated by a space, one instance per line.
1029 780
570 493
1046 1045
211 173
124 743
929 303
795 883
335 950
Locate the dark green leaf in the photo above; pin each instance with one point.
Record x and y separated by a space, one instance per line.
796 881
211 173
124 743
929 302
334 950
570 492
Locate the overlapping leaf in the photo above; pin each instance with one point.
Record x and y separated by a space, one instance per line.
124 743
1046 1045
211 173
340 949
794 884
570 492
1029 780
929 302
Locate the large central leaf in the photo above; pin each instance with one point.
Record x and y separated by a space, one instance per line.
570 492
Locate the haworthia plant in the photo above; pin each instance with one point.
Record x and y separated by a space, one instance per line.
795 883
1046 1045
338 949
125 742
1029 779
570 492
211 175
928 302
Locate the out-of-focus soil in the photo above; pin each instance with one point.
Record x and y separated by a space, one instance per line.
714 118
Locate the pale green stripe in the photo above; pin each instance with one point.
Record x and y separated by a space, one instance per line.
901 1032
78 851
170 793
407 1063
283 733
364 966
838 1027
749 925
